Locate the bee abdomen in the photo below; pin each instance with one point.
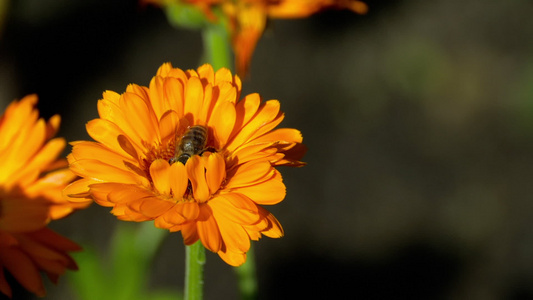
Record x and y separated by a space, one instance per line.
191 143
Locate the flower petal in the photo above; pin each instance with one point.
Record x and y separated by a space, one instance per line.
215 171
267 115
208 229
78 191
174 95
269 192
222 122
23 269
235 237
151 207
178 180
181 213
249 173
235 207
91 168
160 173
189 232
232 258
196 171
194 93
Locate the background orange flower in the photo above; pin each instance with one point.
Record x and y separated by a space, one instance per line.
248 18
31 180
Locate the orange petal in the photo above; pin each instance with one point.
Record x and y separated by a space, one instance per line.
50 238
119 192
283 135
269 192
249 173
233 258
252 20
189 232
91 150
208 229
153 207
267 113
206 71
253 152
178 180
108 104
196 172
127 146
222 121
230 207
274 230
78 191
139 118
246 108
215 171
167 125
174 95
23 269
91 168
194 93
46 156
106 132
227 92
142 91
235 237
160 173
160 222
156 95
223 75
181 213
164 69
36 249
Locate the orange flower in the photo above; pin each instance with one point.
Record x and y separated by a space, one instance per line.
30 196
248 18
213 192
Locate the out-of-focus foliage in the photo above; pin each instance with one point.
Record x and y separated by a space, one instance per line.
125 273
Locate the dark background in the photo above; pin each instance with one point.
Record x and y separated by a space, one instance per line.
418 118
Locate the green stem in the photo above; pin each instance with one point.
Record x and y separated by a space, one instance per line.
247 278
217 48
194 271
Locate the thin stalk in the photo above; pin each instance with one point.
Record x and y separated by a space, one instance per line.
194 271
216 44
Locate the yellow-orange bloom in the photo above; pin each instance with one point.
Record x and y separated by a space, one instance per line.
31 181
248 18
216 196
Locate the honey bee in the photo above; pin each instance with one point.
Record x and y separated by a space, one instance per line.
192 142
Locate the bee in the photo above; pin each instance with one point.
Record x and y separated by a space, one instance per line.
192 142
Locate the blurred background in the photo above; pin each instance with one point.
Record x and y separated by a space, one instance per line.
418 118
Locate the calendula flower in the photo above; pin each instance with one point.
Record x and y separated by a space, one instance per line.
247 18
188 154
31 181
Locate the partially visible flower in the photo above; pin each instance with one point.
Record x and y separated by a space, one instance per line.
247 18
215 195
31 181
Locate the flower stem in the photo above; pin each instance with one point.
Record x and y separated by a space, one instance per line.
217 48
247 277
194 271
